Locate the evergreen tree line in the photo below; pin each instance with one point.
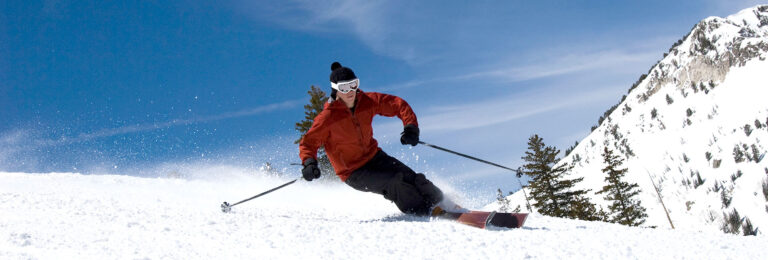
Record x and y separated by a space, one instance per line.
555 194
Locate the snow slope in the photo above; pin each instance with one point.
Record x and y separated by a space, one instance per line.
73 216
692 115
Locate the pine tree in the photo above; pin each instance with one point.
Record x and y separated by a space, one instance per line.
582 208
504 202
554 195
732 222
624 208
748 229
317 100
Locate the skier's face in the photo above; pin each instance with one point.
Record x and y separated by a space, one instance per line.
348 98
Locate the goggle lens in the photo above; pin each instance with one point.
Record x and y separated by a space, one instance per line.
346 87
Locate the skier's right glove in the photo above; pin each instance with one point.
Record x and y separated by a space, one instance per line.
410 135
310 171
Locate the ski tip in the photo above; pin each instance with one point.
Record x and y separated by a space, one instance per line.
508 220
489 218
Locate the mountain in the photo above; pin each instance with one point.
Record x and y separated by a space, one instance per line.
696 126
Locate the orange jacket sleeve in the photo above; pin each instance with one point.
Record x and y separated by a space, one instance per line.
314 138
389 105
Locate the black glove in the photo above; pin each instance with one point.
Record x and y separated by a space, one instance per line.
310 171
410 135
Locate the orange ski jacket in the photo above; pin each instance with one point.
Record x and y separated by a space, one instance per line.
347 136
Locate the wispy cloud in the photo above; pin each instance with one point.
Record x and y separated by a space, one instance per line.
373 22
409 32
175 122
574 62
488 112
607 62
504 109
22 141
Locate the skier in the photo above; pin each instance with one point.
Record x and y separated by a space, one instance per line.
344 128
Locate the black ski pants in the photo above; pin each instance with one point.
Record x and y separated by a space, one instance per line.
385 175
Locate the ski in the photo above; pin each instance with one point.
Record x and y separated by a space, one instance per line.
508 220
483 219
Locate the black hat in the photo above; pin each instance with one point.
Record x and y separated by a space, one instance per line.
340 74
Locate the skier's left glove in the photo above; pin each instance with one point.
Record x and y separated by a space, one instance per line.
410 135
310 171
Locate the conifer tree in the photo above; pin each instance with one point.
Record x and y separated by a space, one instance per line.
582 208
317 100
748 229
504 202
553 193
732 222
624 208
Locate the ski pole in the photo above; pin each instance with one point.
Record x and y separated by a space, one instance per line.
226 207
470 157
517 172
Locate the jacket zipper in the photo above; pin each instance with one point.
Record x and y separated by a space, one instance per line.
357 125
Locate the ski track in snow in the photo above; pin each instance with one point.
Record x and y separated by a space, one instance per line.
73 216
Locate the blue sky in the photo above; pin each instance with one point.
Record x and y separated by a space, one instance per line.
125 86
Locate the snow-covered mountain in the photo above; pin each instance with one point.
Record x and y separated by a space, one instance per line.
696 125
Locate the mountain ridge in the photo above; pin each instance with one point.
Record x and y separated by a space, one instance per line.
693 126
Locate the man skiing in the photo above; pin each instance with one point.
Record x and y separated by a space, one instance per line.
344 129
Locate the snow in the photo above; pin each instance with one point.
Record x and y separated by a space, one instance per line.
672 147
74 216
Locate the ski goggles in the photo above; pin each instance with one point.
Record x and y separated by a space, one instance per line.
347 86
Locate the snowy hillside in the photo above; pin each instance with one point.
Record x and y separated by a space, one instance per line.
73 216
701 111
